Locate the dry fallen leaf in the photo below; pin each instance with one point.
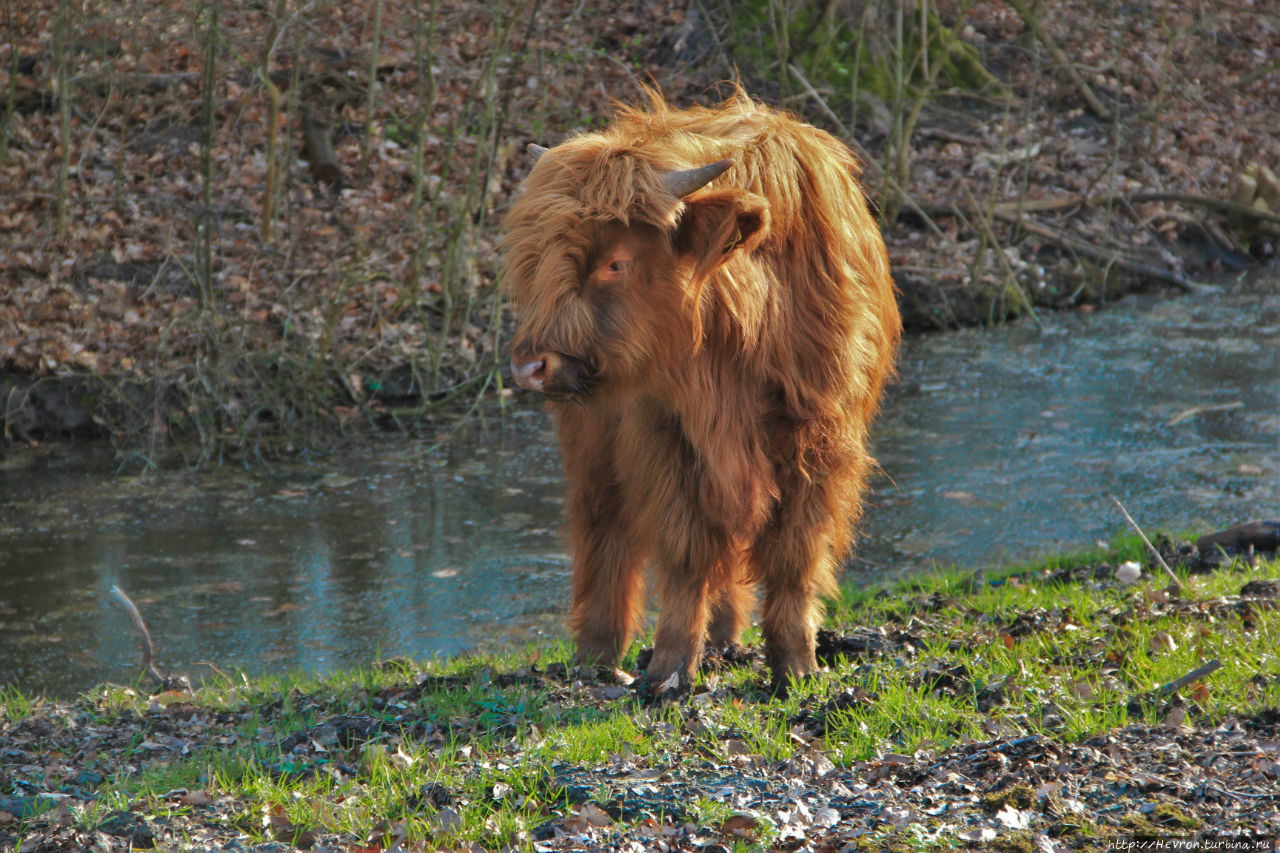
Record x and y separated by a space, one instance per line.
1044 844
447 821
196 798
586 816
980 835
900 816
740 826
1162 642
1013 818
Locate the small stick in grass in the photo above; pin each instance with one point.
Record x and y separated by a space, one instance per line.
1194 675
1173 579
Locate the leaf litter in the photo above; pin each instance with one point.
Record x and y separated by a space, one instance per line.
400 311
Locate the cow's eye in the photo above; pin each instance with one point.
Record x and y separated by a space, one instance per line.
615 269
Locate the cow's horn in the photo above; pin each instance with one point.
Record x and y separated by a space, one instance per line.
685 181
535 151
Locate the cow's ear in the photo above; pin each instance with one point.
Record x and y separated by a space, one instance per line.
718 224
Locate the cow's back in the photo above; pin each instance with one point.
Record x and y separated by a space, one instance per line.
813 308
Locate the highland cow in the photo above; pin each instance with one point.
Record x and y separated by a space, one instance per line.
705 300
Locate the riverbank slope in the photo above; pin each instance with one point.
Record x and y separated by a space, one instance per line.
1057 707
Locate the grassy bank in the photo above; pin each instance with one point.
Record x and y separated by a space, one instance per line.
1023 711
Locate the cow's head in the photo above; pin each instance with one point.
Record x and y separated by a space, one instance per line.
607 255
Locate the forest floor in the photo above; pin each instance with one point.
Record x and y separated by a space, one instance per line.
1087 704
312 248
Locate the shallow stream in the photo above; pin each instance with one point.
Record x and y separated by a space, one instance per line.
996 445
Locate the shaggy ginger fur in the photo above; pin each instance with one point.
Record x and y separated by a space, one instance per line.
713 363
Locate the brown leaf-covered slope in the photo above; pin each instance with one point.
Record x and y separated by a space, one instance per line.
370 279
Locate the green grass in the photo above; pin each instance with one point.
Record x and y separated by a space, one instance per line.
14 706
482 756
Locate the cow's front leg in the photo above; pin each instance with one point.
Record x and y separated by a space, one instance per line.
699 610
681 632
731 604
608 560
692 562
608 581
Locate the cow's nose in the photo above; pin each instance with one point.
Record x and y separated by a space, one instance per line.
530 375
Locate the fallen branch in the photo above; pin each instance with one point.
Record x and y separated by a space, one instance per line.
1007 208
1243 538
1146 701
1107 256
1205 201
1173 579
1197 410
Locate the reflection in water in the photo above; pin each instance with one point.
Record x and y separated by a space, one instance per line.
409 552
995 445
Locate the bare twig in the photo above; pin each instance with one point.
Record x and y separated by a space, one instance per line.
372 88
835 120
1257 74
1192 676
984 221
1173 579
1032 20
148 650
1197 410
863 154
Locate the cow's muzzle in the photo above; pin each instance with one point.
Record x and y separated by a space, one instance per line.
530 375
552 374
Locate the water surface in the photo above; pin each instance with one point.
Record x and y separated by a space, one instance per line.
996 445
